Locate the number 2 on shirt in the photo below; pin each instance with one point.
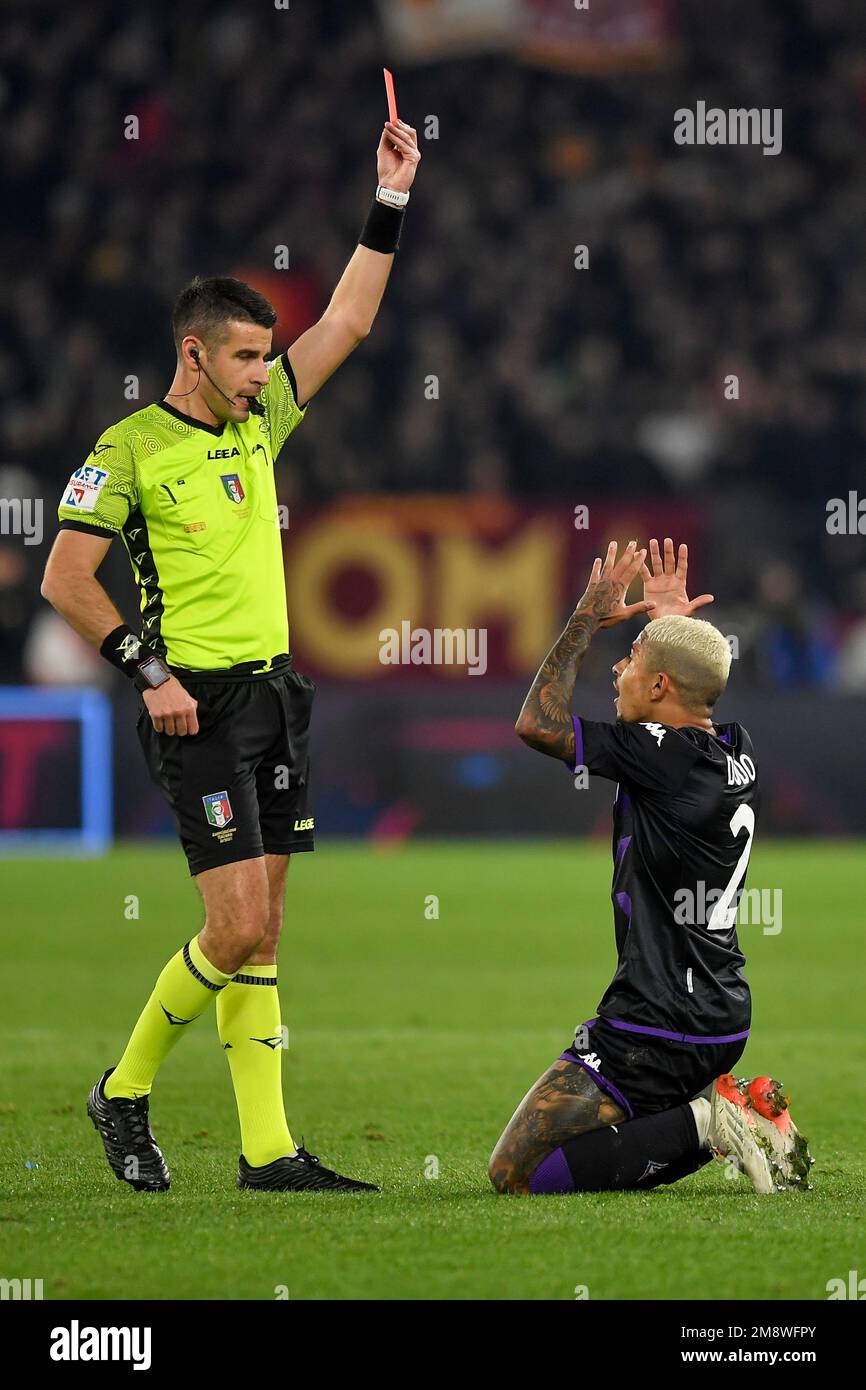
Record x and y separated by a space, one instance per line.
724 914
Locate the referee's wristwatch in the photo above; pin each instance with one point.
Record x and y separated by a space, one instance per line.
151 674
390 197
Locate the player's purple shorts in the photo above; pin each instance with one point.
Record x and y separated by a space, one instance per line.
645 1073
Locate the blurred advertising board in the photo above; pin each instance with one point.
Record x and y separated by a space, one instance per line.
410 566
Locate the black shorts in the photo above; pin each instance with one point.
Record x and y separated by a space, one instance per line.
648 1074
240 787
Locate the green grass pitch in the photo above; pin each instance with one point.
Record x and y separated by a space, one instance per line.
410 1042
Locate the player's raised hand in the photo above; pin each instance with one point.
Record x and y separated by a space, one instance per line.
666 585
172 710
609 583
398 156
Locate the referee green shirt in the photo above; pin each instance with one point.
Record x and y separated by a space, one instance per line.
196 506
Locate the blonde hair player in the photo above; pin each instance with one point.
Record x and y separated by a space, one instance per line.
644 1095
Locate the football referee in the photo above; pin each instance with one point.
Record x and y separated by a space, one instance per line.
188 484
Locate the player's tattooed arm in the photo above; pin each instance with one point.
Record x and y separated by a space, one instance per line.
545 720
562 1104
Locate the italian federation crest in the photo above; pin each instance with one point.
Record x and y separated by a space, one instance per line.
233 486
218 809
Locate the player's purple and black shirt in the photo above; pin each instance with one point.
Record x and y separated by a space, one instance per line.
683 821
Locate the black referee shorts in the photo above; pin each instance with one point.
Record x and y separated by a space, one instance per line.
240 787
645 1074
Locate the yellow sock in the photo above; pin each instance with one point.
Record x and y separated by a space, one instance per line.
187 986
248 1019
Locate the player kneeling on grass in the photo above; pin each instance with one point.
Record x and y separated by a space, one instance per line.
644 1095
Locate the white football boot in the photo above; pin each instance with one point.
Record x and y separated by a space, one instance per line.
750 1122
787 1149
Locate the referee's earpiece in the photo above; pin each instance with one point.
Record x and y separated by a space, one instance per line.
256 407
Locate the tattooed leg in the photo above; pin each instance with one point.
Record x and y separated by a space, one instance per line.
563 1103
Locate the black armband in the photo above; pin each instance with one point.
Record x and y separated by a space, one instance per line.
134 658
381 231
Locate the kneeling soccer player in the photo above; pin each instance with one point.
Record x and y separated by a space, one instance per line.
644 1095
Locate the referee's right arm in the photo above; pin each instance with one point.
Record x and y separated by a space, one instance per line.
70 585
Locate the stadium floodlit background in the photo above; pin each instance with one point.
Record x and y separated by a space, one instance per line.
591 331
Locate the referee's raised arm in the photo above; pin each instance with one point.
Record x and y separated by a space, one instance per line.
355 302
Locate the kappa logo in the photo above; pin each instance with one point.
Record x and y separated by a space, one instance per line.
658 731
233 486
218 808
591 1059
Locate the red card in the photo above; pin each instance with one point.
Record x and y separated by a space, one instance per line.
392 100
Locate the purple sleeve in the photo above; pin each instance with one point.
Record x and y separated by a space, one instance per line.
578 742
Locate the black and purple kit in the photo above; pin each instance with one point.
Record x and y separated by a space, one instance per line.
676 1014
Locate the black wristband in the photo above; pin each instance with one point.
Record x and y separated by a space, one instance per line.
128 653
381 231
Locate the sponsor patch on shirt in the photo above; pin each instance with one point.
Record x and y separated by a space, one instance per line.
85 486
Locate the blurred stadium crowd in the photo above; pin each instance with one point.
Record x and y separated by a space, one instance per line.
258 129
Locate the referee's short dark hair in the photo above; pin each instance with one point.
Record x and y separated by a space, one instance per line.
208 303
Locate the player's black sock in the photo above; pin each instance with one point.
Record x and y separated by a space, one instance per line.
689 1163
641 1153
